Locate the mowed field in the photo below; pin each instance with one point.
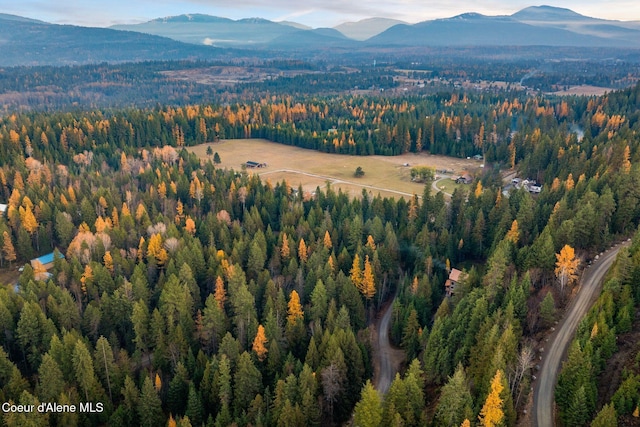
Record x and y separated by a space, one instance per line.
384 175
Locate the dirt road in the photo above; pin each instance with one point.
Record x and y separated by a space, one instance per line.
543 402
388 359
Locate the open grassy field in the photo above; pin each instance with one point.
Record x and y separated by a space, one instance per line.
384 175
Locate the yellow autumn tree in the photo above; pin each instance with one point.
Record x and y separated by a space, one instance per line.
626 164
356 272
368 280
259 343
190 226
302 251
566 266
371 243
570 183
171 422
108 261
158 383
7 248
294 311
478 191
514 233
327 240
155 250
466 423
284 250
491 414
29 222
220 294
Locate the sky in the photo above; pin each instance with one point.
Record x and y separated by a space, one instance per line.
314 13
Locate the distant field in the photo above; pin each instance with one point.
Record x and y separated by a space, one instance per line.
584 90
384 175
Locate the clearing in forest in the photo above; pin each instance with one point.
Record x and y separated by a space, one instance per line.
388 176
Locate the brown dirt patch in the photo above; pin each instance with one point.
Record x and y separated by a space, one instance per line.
9 276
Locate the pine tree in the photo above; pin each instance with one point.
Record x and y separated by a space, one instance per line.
149 405
491 414
455 400
259 344
607 417
368 411
194 412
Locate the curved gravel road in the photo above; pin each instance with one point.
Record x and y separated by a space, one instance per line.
388 358
543 399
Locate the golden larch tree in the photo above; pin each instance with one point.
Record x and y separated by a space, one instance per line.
478 190
294 311
29 222
284 250
7 248
491 414
327 240
356 272
220 294
259 343
302 251
158 383
514 233
156 251
190 226
566 266
108 261
371 243
570 183
368 280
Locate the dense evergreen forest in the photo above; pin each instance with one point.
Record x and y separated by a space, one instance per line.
182 294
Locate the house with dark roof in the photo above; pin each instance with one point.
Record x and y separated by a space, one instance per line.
251 164
465 178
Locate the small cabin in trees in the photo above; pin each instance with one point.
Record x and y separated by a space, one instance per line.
3 208
455 276
251 164
465 178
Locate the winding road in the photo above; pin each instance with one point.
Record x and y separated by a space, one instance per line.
543 399
389 358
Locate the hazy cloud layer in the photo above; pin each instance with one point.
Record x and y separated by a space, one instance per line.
311 12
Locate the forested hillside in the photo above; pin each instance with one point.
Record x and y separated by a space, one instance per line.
189 294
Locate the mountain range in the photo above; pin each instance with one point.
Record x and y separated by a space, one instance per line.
26 41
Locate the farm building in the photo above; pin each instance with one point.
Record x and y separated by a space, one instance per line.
465 178
253 165
455 276
45 260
